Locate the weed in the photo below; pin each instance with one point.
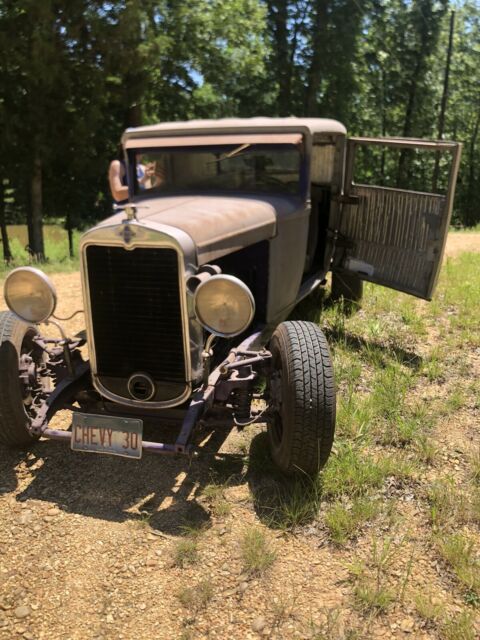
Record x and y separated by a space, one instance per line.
371 592
448 505
458 550
471 598
474 462
214 493
432 367
287 503
409 426
344 520
427 608
454 402
459 627
193 529
354 415
333 627
348 370
475 506
352 472
257 554
372 597
144 518
185 552
197 597
282 605
336 317
398 433
426 449
389 391
412 319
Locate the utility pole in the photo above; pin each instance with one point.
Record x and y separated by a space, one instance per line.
443 104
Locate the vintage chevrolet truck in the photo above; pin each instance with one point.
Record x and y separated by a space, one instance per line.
187 288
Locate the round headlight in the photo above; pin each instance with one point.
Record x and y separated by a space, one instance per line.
224 305
30 294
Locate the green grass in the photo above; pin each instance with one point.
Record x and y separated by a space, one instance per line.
474 229
344 520
214 494
56 249
458 296
372 590
257 552
197 597
458 627
185 552
427 608
459 551
294 503
474 464
353 472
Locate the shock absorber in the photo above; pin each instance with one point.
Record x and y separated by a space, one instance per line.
241 401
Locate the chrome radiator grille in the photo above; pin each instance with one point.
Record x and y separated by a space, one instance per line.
136 316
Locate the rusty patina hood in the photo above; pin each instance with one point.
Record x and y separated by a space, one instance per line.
217 224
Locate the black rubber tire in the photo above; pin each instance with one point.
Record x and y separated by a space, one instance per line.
346 286
301 432
14 420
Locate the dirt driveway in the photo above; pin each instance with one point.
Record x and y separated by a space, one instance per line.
91 546
462 241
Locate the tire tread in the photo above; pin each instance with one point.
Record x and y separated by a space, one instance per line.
310 375
13 419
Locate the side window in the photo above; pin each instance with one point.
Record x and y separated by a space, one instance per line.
413 169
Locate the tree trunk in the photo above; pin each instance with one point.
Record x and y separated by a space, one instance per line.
7 255
35 227
279 18
415 78
68 225
443 106
314 75
471 209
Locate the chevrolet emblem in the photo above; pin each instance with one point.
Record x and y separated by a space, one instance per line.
127 233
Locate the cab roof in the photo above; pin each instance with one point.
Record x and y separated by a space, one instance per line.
315 126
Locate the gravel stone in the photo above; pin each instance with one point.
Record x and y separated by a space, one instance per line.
259 624
22 611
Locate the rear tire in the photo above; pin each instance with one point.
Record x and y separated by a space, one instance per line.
347 286
302 392
15 340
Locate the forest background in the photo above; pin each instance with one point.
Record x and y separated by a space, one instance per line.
75 73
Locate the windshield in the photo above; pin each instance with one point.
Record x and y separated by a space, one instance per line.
266 168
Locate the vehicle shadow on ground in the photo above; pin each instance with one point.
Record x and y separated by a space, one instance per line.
9 460
161 491
372 348
280 501
311 309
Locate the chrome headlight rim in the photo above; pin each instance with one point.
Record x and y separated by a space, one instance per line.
245 290
45 284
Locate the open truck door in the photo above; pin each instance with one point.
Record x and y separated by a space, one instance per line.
391 236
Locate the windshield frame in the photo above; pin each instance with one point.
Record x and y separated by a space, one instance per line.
221 147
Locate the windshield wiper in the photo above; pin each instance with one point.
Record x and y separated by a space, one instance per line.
233 153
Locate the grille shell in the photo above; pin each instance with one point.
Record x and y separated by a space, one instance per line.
136 318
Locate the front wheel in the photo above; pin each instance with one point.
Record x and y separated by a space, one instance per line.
16 391
302 398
